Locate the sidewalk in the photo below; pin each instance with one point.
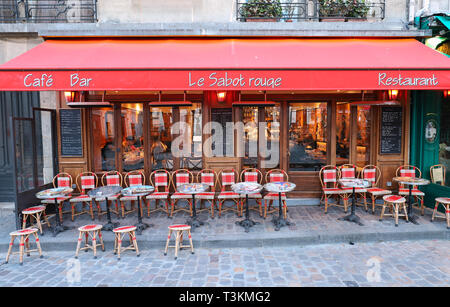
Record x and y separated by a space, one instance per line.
311 227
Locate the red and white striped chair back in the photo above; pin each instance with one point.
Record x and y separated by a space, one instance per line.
134 178
112 179
348 171
371 173
160 179
62 180
276 175
227 178
328 176
209 177
180 177
86 181
408 171
251 175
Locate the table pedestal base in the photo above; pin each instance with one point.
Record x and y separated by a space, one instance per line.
57 229
194 222
110 226
279 222
247 223
141 226
413 219
351 218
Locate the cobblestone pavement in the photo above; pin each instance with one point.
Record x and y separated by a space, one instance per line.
400 263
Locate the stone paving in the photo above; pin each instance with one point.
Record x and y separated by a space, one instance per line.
399 263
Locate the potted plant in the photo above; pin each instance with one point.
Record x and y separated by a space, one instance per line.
342 10
357 10
289 9
261 10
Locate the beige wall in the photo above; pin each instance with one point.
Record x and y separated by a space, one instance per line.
12 47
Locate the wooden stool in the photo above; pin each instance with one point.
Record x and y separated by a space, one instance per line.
90 231
35 212
24 241
395 202
119 233
179 238
445 202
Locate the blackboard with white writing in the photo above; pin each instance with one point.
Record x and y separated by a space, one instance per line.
391 130
70 128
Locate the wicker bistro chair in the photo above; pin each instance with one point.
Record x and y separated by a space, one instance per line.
111 179
349 171
252 175
133 178
328 176
372 174
437 174
275 175
208 177
180 177
160 179
396 203
226 178
414 172
85 181
62 180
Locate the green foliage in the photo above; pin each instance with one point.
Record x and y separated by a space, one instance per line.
343 8
262 9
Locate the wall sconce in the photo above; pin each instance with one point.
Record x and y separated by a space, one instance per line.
393 94
221 96
70 96
446 94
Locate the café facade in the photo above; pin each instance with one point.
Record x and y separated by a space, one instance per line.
126 104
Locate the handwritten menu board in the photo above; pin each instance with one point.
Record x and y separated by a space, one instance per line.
391 130
70 131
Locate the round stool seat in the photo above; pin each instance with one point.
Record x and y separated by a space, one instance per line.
179 227
23 232
394 199
124 229
90 227
444 200
33 210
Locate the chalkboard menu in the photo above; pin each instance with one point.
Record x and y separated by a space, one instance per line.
391 130
70 131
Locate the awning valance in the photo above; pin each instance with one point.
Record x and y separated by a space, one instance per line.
227 64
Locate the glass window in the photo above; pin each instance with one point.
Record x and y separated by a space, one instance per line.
191 133
250 121
444 143
307 136
363 137
271 158
161 123
103 139
342 133
132 137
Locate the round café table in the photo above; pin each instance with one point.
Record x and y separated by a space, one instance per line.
411 182
139 191
246 188
280 187
353 184
103 193
193 188
55 194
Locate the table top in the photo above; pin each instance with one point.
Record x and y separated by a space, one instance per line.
105 191
279 187
192 188
411 180
138 190
354 183
246 187
54 193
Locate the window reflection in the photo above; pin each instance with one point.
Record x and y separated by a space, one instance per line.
307 136
191 132
103 139
250 121
444 143
271 158
363 136
342 133
161 123
132 137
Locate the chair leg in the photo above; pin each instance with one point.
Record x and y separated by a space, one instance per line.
168 240
94 243
24 221
21 247
100 236
38 244
38 221
382 211
119 245
177 243
80 238
373 204
447 214
10 248
190 241
405 210
434 211
396 214
133 238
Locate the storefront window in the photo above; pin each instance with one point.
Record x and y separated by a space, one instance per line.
271 158
191 132
307 136
363 137
444 144
103 139
132 137
250 121
342 133
161 123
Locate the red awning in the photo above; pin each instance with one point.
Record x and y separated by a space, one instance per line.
232 64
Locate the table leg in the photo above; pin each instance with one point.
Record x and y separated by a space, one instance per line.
193 222
411 217
247 222
58 227
280 221
352 217
140 226
110 225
